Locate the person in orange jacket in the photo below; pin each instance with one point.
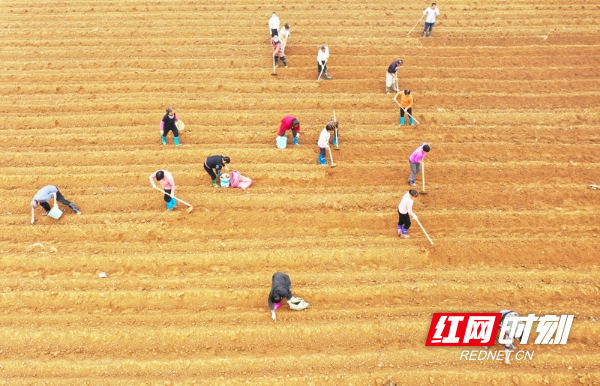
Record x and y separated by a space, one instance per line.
406 103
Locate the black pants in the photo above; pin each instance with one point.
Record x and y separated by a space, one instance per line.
174 130
210 172
294 133
60 198
166 196
409 110
282 59
274 32
321 67
404 219
323 152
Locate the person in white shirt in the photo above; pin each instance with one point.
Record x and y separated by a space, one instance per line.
274 24
284 34
322 58
431 13
323 143
404 210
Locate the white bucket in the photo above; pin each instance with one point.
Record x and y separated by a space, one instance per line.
225 179
180 125
297 304
281 142
55 213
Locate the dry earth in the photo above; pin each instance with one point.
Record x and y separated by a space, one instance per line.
507 94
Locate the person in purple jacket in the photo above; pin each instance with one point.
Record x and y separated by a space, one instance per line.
415 161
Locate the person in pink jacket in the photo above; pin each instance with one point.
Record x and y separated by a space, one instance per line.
168 183
405 212
415 161
290 123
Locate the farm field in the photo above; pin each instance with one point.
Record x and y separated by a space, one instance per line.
507 94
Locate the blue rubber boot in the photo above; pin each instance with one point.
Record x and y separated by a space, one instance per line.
173 203
169 205
176 140
399 227
296 141
401 121
322 160
335 141
164 140
410 120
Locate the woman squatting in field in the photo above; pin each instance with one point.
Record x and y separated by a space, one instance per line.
323 142
405 211
215 162
415 160
168 183
281 287
168 124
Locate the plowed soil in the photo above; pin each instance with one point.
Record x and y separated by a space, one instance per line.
507 95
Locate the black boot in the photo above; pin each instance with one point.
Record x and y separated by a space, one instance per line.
72 206
284 61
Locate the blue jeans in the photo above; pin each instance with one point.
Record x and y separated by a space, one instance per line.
428 26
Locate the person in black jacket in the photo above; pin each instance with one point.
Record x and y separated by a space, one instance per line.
215 162
168 124
281 287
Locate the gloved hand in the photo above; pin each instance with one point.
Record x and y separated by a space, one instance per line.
297 135
273 316
415 218
153 185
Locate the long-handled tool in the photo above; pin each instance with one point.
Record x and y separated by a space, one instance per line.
331 157
423 229
321 73
406 112
414 26
183 202
423 166
396 82
274 71
337 140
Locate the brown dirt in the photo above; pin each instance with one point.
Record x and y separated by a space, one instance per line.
507 94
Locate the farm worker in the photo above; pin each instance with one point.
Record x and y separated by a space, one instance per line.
415 160
323 143
431 13
335 124
44 195
168 183
168 124
274 24
518 334
284 34
322 58
215 162
290 123
406 103
278 51
405 211
281 287
391 76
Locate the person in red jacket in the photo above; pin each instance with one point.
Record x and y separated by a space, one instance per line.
290 123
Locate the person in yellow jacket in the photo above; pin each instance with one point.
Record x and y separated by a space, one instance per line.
406 103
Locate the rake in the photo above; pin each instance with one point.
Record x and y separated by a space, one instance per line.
189 210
